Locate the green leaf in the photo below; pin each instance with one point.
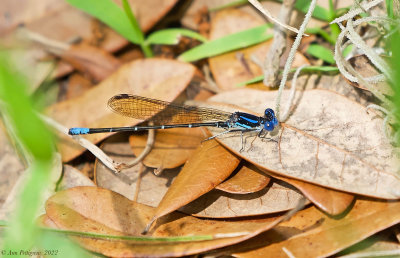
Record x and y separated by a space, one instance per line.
137 32
308 69
172 36
35 138
228 43
321 52
319 12
109 13
322 33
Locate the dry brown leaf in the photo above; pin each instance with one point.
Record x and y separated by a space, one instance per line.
72 177
159 79
328 140
171 148
136 183
277 197
77 85
92 61
237 66
248 179
311 233
331 201
97 210
209 166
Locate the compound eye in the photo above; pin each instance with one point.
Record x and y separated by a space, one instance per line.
269 114
269 126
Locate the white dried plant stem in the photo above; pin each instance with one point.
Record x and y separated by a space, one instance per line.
387 130
267 14
96 151
377 107
288 253
371 88
345 68
292 53
368 51
340 60
286 113
356 11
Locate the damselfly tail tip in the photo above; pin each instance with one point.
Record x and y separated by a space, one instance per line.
78 131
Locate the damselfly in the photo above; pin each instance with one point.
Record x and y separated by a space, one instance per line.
165 115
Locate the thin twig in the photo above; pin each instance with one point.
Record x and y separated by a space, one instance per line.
352 13
292 52
211 85
267 14
96 151
143 154
278 47
54 45
285 115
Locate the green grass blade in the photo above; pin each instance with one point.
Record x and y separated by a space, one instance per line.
137 32
228 43
319 13
321 52
22 233
172 36
109 13
322 33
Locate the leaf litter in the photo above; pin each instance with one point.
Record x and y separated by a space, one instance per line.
328 140
97 210
311 233
146 188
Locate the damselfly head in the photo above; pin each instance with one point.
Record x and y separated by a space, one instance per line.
270 120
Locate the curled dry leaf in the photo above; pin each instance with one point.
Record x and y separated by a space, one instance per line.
248 179
328 140
331 201
156 78
311 233
171 148
136 183
237 66
277 197
97 210
209 166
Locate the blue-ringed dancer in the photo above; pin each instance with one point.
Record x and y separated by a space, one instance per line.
167 115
